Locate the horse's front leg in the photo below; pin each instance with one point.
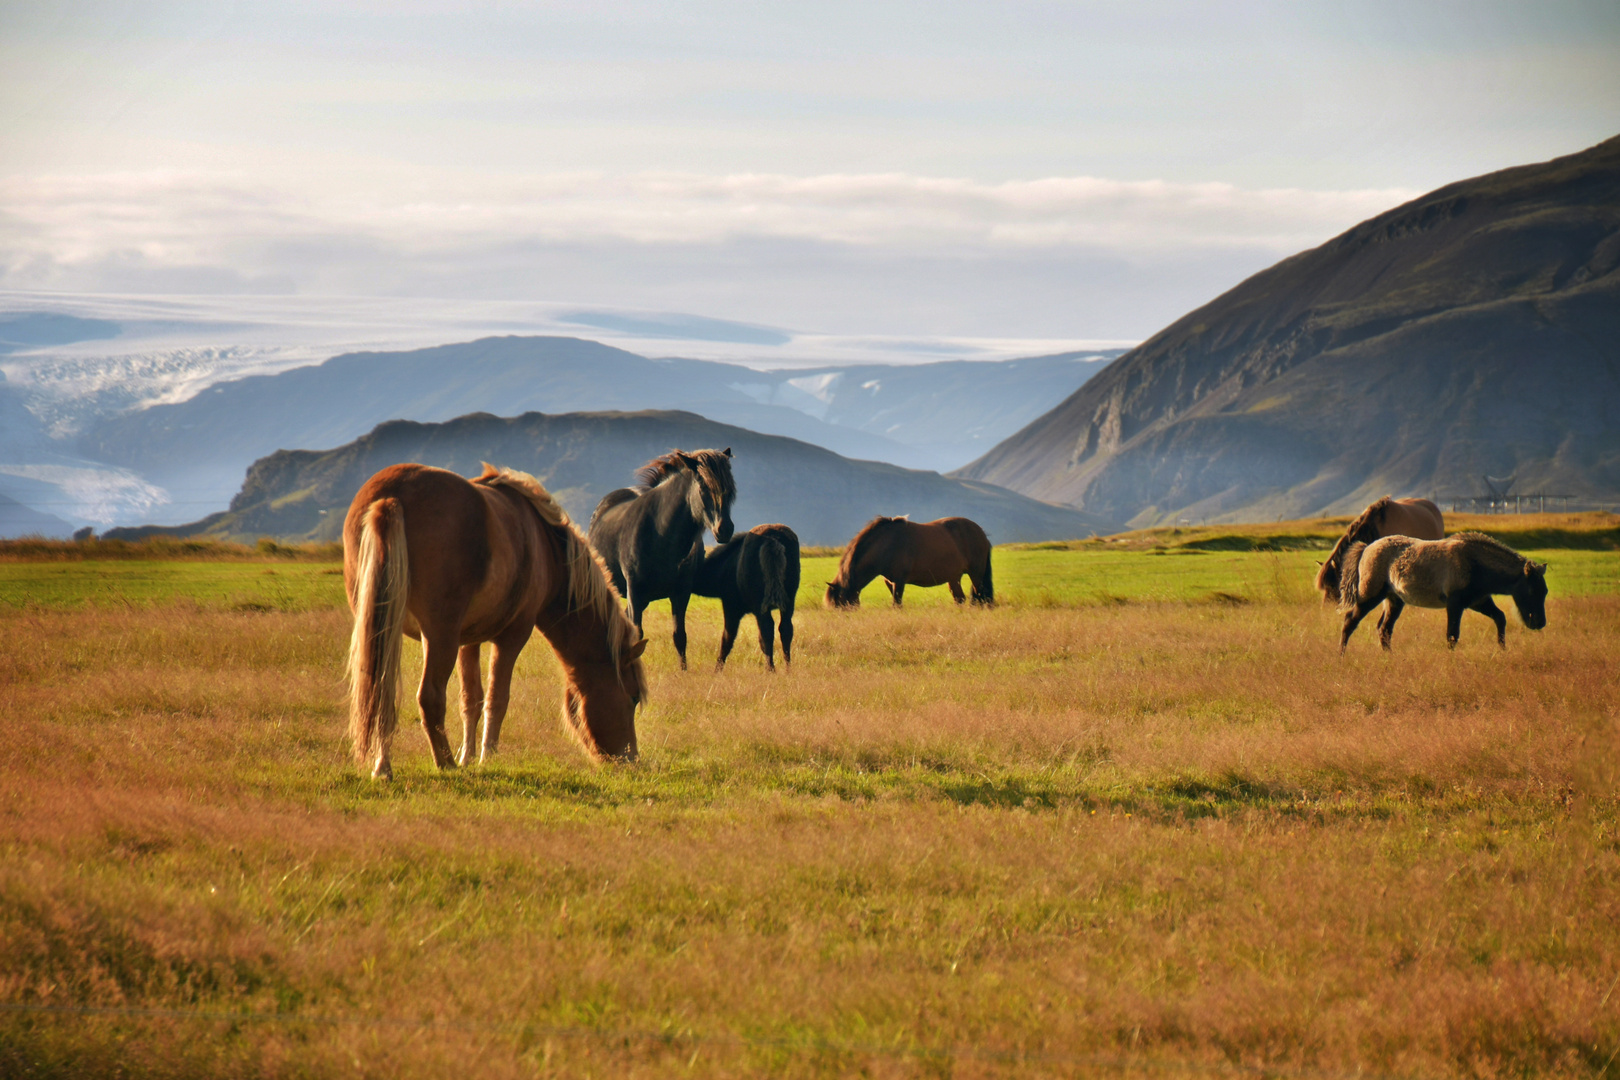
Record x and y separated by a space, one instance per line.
1454 612
956 590
438 661
728 636
677 607
1487 606
503 656
897 589
472 701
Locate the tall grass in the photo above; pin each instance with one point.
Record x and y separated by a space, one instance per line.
1065 835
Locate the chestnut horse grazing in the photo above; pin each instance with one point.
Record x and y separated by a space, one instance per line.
1457 573
455 563
1418 518
906 553
753 574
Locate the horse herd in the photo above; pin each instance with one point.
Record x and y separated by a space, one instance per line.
455 563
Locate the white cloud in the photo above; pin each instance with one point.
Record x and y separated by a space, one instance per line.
180 219
888 253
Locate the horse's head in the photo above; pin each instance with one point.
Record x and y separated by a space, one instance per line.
1530 595
599 704
839 596
710 498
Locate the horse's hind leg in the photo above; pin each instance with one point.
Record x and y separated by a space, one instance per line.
767 636
956 590
787 636
1353 617
438 661
1386 622
472 701
503 656
1487 606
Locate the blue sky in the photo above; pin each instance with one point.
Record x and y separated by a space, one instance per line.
1007 169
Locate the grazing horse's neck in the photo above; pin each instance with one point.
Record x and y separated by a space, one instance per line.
860 571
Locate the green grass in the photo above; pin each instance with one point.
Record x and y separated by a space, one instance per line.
240 586
1139 818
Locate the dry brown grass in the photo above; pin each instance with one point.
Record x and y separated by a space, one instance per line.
1024 841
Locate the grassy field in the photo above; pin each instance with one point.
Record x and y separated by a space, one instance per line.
1140 818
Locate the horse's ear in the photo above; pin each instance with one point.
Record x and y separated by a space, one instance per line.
688 461
727 451
636 650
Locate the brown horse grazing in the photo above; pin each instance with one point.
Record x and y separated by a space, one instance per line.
906 553
1457 573
455 563
1417 518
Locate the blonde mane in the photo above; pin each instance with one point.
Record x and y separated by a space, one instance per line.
589 586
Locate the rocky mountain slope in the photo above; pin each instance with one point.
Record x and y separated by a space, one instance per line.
303 494
1473 331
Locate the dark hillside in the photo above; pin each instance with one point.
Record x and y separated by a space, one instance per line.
303 494
1473 331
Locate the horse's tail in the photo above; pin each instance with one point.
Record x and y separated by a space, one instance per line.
773 567
382 580
1350 576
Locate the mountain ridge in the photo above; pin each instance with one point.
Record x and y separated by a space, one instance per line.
1473 330
302 495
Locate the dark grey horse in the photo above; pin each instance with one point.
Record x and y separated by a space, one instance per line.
651 537
752 575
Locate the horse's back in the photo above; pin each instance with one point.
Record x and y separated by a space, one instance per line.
1420 519
473 550
1423 573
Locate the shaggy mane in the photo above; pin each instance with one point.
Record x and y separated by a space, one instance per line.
714 471
1361 529
1491 552
589 586
861 537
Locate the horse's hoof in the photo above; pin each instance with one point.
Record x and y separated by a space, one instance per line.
382 772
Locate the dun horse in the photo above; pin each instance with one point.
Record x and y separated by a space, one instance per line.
907 553
455 563
1457 574
650 537
1417 518
753 574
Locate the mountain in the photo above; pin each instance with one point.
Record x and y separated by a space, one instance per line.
19 520
950 411
1473 331
200 448
303 494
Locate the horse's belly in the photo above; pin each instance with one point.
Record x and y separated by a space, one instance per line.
927 579
1423 594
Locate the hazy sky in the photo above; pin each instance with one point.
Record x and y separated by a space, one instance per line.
1010 168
